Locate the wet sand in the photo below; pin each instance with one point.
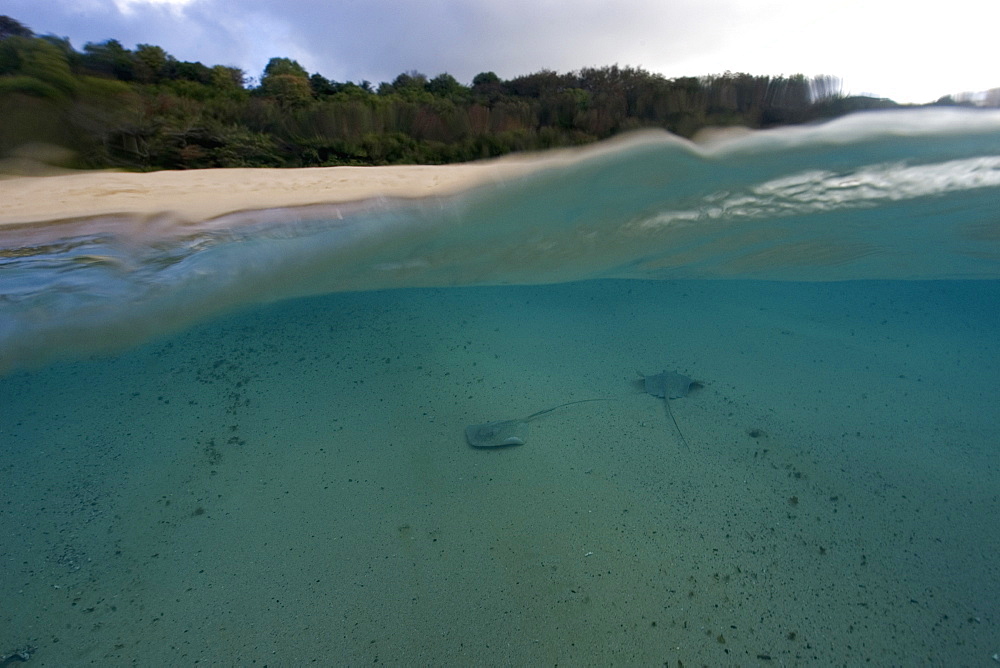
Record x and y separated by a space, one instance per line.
292 484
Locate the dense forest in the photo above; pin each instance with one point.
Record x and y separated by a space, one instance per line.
142 109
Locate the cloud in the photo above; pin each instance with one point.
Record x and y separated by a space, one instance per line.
878 46
128 7
378 39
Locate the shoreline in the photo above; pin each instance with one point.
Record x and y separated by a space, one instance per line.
198 196
201 195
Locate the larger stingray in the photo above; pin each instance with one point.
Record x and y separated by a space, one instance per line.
669 385
507 432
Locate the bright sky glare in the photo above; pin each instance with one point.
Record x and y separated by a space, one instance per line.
910 52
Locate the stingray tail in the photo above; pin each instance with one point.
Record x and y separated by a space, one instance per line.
680 433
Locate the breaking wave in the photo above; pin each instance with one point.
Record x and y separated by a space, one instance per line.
892 195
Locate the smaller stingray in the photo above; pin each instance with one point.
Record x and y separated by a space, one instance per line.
669 385
508 432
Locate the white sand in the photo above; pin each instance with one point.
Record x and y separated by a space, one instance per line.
204 194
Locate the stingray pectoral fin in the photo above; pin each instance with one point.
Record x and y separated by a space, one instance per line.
656 384
497 434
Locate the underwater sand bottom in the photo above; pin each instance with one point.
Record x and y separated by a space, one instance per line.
292 484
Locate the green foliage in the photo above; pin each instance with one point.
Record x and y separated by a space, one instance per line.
144 109
284 67
37 59
30 116
446 86
409 81
109 59
13 28
484 79
227 82
289 90
286 82
242 148
321 86
190 72
152 63
26 85
188 89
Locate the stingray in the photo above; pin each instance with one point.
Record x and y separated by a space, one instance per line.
669 385
508 432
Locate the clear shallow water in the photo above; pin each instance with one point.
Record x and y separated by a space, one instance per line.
291 482
872 196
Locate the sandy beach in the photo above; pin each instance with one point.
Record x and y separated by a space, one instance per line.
204 194
198 195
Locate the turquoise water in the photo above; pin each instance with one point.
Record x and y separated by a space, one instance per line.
243 444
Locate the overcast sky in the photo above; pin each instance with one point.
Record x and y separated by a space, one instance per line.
908 51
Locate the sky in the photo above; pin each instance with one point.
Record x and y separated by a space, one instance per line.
905 50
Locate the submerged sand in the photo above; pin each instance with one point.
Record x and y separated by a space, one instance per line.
292 484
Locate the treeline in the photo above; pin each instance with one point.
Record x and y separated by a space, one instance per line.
144 109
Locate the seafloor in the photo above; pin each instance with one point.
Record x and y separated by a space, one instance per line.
292 484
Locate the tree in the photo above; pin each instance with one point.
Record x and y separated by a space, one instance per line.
487 87
188 71
228 79
825 87
363 89
485 79
38 59
412 81
109 58
283 66
62 43
287 82
321 86
152 63
446 86
289 90
540 83
13 28
144 108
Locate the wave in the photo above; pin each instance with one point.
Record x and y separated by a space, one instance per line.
887 195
